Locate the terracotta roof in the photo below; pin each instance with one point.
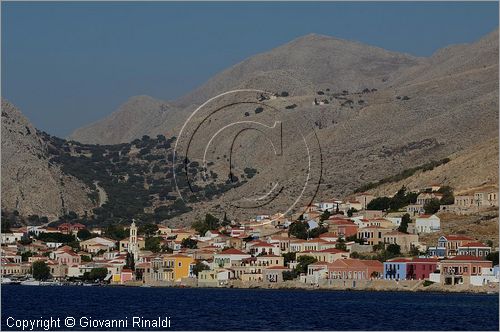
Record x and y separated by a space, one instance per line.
465 258
424 260
474 244
371 262
315 240
333 251
373 227
395 232
260 244
399 260
233 251
178 256
276 268
320 264
329 234
458 237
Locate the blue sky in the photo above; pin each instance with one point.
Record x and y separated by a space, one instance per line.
68 64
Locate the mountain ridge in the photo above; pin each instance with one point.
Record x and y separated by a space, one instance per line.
422 111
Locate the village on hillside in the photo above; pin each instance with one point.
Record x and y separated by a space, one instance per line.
360 242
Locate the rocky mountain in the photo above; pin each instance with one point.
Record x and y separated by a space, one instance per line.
306 64
31 184
373 113
299 67
140 115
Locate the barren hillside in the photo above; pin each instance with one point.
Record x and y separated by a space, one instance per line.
374 113
30 183
470 168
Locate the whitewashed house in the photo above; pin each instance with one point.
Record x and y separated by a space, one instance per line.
426 223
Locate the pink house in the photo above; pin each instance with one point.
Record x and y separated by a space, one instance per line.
126 275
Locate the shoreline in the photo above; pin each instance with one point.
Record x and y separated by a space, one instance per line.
484 290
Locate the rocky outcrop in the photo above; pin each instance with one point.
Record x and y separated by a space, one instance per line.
30 183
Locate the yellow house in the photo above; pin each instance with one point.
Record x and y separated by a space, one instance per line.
181 265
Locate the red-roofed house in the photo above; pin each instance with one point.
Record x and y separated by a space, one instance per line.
330 237
67 256
451 243
355 269
420 268
261 247
460 269
68 228
474 248
342 227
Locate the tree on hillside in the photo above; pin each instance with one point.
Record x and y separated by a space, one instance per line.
189 243
448 197
116 232
153 244
289 257
40 270
304 262
5 228
393 249
225 220
432 206
325 215
316 232
298 229
351 211
148 229
398 200
341 244
379 203
84 234
209 224
405 220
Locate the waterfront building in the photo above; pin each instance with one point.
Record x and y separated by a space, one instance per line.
460 269
448 245
356 269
